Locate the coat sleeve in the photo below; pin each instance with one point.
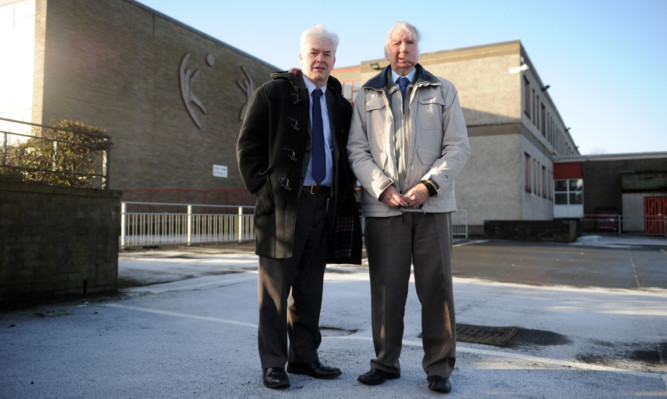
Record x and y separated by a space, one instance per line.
252 148
455 149
365 168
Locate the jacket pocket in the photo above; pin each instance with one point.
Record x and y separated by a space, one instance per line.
265 204
377 115
429 112
427 156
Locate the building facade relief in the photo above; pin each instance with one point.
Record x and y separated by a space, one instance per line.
247 86
187 75
186 78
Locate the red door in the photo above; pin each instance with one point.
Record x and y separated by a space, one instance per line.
655 212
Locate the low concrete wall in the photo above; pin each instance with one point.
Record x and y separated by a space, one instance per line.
56 241
532 230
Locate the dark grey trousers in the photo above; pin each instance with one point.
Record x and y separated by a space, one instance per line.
298 280
392 244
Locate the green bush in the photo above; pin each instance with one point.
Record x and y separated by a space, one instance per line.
67 153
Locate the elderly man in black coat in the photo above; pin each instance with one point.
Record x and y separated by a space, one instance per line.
292 156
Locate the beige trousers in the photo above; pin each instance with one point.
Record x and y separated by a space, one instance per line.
392 245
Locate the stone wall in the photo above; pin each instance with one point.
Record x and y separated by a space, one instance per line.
57 242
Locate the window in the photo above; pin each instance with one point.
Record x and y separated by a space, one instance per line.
544 182
569 191
538 178
351 89
537 112
528 177
526 100
544 130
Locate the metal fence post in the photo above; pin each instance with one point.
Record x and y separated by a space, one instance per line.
105 168
189 239
466 213
240 224
123 222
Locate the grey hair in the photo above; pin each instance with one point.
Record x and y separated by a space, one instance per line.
318 32
410 29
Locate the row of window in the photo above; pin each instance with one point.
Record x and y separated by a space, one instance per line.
538 178
562 192
543 120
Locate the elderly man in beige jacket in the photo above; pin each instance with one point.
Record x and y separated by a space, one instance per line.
408 141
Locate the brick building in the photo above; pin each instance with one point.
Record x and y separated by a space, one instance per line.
171 97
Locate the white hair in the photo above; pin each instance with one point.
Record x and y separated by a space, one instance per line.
401 26
318 32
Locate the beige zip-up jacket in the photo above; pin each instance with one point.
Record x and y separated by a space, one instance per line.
439 146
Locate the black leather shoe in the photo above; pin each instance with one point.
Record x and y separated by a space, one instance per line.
376 377
439 384
314 369
275 378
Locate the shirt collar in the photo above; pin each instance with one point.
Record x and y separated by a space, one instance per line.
410 76
311 86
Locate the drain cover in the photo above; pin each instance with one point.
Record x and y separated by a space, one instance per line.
498 336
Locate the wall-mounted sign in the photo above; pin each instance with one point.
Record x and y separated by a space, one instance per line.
219 171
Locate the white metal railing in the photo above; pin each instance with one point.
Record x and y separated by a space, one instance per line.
460 223
14 133
159 223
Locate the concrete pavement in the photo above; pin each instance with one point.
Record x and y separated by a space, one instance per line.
592 320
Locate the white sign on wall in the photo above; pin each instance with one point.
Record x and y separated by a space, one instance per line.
219 170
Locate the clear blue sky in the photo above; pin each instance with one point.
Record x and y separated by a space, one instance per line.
605 60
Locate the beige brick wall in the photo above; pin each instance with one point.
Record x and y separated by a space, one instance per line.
488 187
487 92
115 64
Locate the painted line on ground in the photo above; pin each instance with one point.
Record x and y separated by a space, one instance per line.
461 244
181 315
459 347
175 286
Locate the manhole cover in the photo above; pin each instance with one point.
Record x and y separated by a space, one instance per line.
498 336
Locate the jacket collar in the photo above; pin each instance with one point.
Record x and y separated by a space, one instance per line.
423 77
296 79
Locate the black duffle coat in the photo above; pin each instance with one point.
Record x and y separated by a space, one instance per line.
273 152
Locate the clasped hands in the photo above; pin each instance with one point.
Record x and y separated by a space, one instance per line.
413 198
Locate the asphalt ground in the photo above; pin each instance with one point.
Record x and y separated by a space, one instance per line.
608 262
590 321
